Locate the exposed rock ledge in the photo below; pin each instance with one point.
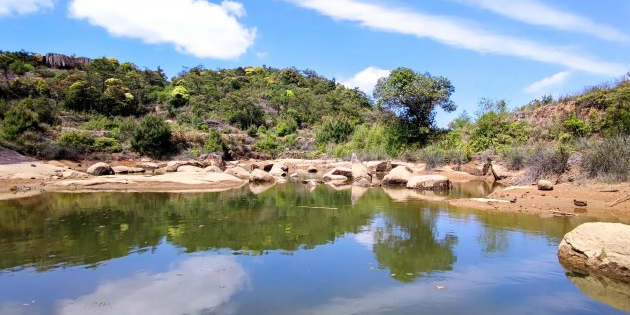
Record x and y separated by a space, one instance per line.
598 248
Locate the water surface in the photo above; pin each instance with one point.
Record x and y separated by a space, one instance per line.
288 249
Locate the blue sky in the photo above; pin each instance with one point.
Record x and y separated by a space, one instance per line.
516 50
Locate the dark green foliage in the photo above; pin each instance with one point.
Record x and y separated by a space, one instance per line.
214 143
17 120
79 141
576 126
334 129
269 144
286 126
413 97
607 159
152 137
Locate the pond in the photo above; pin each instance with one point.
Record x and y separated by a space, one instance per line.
286 249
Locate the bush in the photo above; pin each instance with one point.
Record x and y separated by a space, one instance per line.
545 162
576 127
78 141
334 129
152 137
515 158
214 143
607 159
18 120
286 127
268 144
107 145
432 157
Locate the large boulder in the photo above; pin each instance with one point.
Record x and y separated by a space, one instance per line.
213 160
172 166
380 166
544 185
100 169
598 248
338 174
360 174
238 172
399 176
259 176
429 182
279 169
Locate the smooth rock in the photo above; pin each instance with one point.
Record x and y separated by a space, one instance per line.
127 170
148 166
212 169
399 176
279 169
100 169
238 172
260 176
172 166
544 185
598 248
189 169
360 174
338 174
429 182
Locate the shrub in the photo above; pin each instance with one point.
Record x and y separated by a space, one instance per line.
18 120
108 145
515 158
152 137
545 162
576 127
432 157
214 143
268 144
607 159
334 129
78 141
285 127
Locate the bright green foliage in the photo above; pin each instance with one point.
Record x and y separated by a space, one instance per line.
413 97
214 143
269 144
19 67
79 141
152 137
17 120
117 99
82 97
107 145
375 139
286 126
576 126
179 96
493 130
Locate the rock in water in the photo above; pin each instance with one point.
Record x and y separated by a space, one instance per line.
360 174
400 175
544 185
238 172
260 176
338 174
598 248
429 182
100 169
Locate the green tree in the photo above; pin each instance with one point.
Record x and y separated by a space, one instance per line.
18 120
413 96
152 137
117 99
82 97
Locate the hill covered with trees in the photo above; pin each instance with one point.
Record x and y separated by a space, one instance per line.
65 107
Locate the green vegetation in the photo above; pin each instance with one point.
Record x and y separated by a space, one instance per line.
106 107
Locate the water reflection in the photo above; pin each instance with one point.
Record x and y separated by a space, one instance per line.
200 285
605 290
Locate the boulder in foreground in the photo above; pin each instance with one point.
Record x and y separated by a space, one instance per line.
598 248
100 169
260 176
429 182
398 176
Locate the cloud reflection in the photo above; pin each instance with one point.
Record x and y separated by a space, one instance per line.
196 286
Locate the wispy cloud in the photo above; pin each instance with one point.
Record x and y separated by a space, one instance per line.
200 28
455 32
554 80
537 13
8 7
366 79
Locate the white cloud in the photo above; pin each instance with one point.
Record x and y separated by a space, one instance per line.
366 79
197 286
454 32
23 6
554 80
196 27
537 13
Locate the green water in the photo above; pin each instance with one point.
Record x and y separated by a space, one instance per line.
285 250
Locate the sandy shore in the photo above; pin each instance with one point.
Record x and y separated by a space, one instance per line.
22 177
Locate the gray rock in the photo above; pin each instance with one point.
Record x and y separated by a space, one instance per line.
544 185
399 176
100 169
598 248
429 182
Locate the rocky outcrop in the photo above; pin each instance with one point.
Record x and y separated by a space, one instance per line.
598 248
380 166
544 185
212 160
399 176
259 176
100 169
238 172
128 170
172 166
429 182
360 174
60 61
279 169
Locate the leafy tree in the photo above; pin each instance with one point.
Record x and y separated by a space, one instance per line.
117 99
214 143
82 97
152 137
18 120
413 97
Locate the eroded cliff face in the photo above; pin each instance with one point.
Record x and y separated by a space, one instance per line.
61 61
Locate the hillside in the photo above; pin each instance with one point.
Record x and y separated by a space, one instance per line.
64 107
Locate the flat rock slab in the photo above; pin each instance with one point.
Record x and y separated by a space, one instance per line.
598 248
429 182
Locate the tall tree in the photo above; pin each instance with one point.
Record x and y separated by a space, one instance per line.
413 96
